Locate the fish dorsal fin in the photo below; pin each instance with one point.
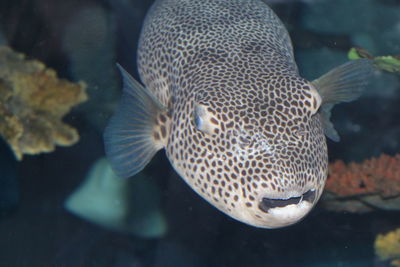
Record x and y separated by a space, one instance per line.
129 136
342 84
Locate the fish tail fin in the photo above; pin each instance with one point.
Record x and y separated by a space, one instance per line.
342 84
129 136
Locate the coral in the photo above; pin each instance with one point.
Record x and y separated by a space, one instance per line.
387 247
387 63
374 176
362 187
32 103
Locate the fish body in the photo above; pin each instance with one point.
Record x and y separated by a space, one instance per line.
223 96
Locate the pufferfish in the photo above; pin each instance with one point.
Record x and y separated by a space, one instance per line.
223 96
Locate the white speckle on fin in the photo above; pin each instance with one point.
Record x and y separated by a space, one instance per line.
128 136
342 84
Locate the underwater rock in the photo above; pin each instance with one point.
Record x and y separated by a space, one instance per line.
125 205
362 187
387 247
361 204
331 202
32 103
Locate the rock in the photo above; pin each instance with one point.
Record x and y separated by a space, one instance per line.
126 205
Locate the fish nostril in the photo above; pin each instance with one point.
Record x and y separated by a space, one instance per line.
269 203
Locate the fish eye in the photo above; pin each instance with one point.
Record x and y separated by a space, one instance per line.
198 121
204 120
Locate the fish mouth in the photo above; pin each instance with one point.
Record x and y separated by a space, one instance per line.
267 204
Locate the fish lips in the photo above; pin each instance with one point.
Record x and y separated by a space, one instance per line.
266 204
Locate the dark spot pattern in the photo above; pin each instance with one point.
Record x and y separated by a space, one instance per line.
234 57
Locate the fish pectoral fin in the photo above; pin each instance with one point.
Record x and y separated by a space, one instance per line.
128 137
342 84
329 129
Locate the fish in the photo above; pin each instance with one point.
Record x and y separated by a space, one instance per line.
222 95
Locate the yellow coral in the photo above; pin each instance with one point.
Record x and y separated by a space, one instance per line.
32 103
396 263
387 247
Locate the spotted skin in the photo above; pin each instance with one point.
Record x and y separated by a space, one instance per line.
233 60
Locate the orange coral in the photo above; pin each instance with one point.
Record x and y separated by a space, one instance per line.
373 176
